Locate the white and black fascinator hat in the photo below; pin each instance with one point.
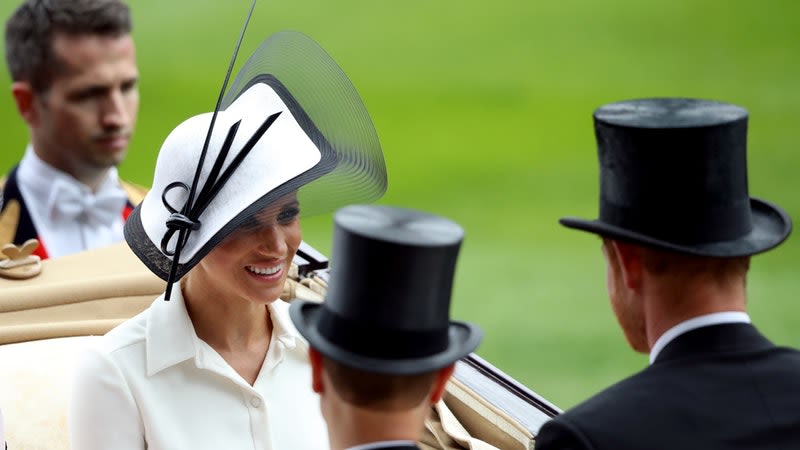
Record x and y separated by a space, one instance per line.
291 123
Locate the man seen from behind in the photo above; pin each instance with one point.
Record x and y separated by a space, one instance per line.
382 344
678 228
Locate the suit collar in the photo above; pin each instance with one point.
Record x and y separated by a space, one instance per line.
705 320
714 339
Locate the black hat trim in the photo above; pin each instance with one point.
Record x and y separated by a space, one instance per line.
377 341
771 225
462 337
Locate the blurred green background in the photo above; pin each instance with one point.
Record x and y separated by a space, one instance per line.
484 113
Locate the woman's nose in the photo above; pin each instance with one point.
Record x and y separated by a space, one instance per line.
272 239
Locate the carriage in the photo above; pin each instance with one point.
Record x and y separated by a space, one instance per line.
48 319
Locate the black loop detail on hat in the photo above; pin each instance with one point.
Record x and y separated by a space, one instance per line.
176 221
183 233
187 220
170 187
380 341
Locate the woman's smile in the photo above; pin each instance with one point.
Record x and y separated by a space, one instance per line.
266 272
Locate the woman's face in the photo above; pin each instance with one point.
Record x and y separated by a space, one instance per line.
252 262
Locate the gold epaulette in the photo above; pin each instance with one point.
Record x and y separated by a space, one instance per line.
9 220
135 192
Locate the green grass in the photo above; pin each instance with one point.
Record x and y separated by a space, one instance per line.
484 113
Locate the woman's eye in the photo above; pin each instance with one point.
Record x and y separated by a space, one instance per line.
250 224
288 215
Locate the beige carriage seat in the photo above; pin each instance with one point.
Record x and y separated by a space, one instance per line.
47 321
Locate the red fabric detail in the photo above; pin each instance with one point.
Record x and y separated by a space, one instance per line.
40 250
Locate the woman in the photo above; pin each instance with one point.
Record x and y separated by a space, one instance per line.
220 365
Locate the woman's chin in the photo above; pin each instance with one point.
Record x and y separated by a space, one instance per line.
267 295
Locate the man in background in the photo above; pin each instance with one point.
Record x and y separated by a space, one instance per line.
75 84
678 229
382 344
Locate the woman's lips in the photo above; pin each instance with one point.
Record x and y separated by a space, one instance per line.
266 272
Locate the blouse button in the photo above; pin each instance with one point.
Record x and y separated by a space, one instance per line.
255 401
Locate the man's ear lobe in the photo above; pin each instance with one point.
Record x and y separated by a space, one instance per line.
24 98
630 263
315 358
441 382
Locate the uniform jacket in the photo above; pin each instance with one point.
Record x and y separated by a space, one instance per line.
716 387
16 225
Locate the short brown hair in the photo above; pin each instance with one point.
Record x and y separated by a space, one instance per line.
378 391
30 31
661 262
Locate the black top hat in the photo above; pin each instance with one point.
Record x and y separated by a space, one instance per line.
673 175
387 308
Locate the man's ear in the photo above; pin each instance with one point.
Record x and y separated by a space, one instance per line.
630 261
24 98
316 370
441 382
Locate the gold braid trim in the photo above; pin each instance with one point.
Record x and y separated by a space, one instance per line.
9 220
134 192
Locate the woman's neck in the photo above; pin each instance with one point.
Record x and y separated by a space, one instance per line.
239 330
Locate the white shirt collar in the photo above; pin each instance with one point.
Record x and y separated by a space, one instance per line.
38 184
381 444
171 338
38 176
170 334
694 323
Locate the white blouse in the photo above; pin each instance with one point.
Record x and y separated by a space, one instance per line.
151 383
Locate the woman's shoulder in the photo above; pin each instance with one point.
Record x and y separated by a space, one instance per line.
279 311
284 329
129 333
119 351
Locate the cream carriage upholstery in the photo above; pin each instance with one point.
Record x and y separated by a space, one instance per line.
45 322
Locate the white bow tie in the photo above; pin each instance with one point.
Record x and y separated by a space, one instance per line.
69 202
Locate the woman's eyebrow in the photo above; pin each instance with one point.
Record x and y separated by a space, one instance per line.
294 203
267 216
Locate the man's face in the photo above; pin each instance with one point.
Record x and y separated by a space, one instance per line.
83 122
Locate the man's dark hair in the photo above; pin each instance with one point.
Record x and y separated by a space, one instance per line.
662 262
378 391
31 28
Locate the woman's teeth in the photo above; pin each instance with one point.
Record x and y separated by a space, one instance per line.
264 271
